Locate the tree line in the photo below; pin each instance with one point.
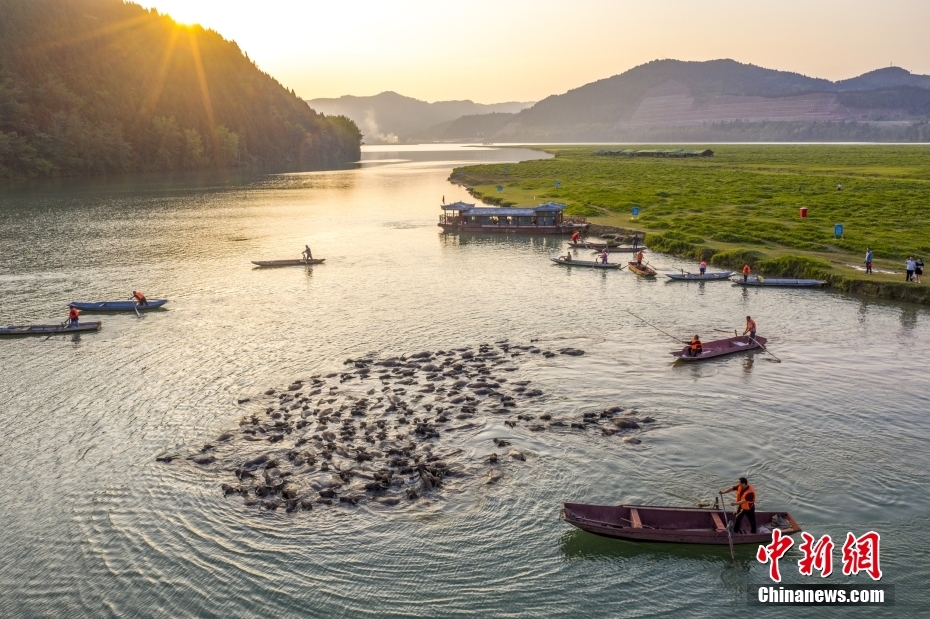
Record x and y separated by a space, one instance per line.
105 87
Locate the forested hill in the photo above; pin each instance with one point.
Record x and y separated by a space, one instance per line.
102 86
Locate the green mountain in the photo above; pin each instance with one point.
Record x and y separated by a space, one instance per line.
103 86
389 117
671 100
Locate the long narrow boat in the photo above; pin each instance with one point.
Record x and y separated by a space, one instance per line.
697 277
287 263
643 270
620 249
598 246
116 306
49 329
781 282
586 263
718 348
682 525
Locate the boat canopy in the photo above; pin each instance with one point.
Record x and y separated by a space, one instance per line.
469 210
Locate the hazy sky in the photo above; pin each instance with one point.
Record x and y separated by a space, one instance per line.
507 50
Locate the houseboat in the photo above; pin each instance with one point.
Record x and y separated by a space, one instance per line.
543 219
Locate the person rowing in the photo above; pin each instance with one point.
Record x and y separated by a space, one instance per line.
604 257
695 348
306 253
750 328
639 259
576 237
567 257
703 267
138 298
745 505
746 272
73 314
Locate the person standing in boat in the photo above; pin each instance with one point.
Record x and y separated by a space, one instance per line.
639 259
745 504
604 256
695 348
73 314
576 237
306 253
750 328
746 271
703 267
868 260
138 298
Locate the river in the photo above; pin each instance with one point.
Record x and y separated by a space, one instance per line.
837 432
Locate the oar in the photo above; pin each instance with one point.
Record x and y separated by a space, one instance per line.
762 346
727 527
655 327
135 306
53 333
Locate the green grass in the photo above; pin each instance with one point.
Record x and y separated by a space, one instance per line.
743 203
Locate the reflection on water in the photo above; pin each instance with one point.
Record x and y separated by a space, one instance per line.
837 433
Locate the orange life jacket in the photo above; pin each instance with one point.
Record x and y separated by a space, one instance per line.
703 264
746 270
751 325
748 494
72 313
639 257
138 295
575 237
696 344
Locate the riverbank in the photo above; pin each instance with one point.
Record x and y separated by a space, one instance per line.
743 206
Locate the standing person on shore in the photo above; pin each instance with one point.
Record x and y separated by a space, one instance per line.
910 266
918 269
635 241
868 260
746 272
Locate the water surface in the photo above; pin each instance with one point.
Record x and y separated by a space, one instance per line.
837 433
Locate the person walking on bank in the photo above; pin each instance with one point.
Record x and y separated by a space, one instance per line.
745 504
918 269
868 260
910 266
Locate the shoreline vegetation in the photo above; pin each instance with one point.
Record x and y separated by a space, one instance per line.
743 206
103 87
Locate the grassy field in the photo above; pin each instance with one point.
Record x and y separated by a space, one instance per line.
743 203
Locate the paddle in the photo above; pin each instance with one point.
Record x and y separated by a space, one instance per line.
727 526
53 333
135 306
762 346
656 328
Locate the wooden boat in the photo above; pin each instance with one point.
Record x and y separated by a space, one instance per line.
586 263
643 270
612 249
49 329
116 306
781 282
697 277
287 263
597 246
682 525
719 348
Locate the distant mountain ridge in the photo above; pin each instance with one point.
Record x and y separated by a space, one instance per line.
673 100
390 117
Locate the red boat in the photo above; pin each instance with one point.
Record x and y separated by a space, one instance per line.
682 525
718 348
